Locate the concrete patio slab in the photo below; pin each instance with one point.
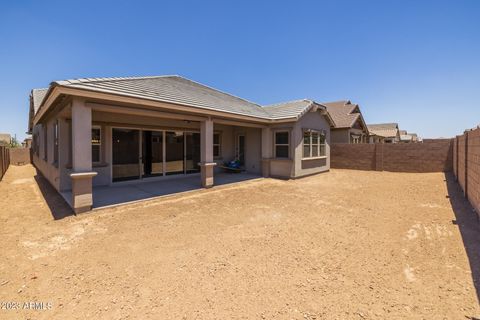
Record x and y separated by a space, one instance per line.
127 192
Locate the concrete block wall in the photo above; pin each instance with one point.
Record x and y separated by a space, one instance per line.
4 160
461 160
431 156
20 156
353 156
467 162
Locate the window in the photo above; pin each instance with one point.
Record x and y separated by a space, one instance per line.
55 143
217 150
96 144
45 147
313 144
282 145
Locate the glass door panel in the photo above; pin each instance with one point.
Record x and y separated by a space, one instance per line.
174 152
152 153
192 149
125 154
241 149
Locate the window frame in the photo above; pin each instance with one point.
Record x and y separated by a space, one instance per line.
99 144
219 145
55 143
45 142
275 144
320 134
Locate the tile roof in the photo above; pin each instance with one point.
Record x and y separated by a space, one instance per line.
170 89
288 109
178 90
341 113
384 129
5 138
37 97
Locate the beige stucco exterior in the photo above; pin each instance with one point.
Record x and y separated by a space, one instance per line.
74 170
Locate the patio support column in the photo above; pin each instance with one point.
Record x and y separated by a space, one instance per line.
267 146
82 175
206 153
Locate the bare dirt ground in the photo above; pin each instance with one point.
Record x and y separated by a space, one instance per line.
340 245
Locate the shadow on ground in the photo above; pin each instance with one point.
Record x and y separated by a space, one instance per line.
57 205
468 223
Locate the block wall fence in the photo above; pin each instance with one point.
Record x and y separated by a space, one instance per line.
20 156
4 160
433 155
466 165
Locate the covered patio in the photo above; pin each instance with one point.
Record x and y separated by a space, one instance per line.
133 191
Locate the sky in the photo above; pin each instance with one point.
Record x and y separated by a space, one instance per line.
416 63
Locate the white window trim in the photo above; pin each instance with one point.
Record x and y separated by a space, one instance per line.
275 144
311 145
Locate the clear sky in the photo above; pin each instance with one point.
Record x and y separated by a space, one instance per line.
412 62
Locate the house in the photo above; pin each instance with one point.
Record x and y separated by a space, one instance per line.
350 127
109 131
5 139
27 142
384 133
406 137
415 137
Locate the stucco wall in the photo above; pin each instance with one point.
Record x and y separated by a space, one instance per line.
315 121
44 161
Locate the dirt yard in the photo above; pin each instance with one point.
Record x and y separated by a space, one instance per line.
340 245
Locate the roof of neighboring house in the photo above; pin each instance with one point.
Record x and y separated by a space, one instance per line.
403 132
290 109
37 97
344 113
5 137
386 130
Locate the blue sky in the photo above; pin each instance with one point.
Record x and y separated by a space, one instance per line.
412 62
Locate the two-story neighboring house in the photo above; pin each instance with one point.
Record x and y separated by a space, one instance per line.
350 127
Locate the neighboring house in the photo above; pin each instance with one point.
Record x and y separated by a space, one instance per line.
27 142
102 131
350 127
406 137
415 137
5 139
384 133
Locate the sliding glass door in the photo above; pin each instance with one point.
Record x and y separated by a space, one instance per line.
192 150
141 154
174 152
125 154
152 153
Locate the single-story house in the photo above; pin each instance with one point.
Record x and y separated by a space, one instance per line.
107 131
406 137
350 127
384 133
